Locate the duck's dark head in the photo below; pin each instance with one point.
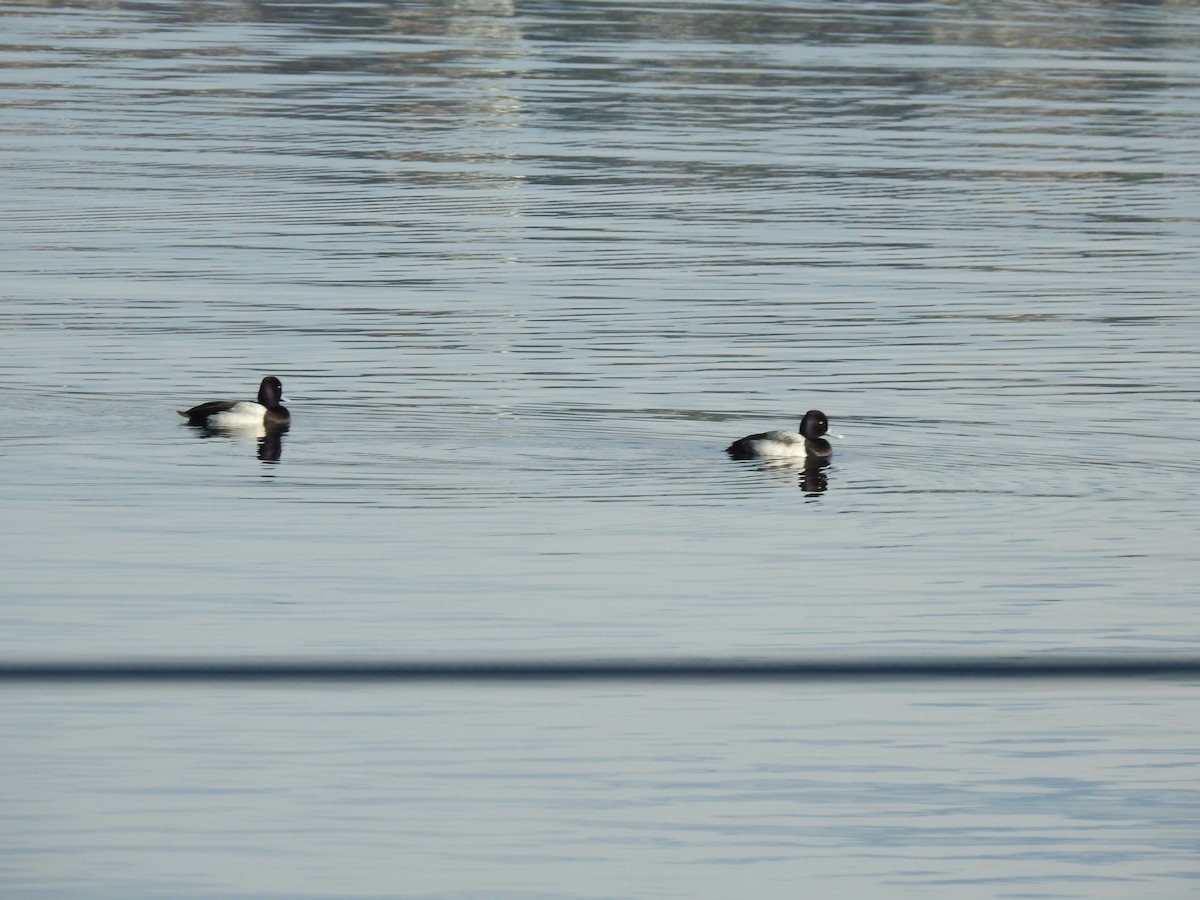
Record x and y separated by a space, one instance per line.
270 392
814 424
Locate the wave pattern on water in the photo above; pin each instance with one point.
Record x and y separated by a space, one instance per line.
524 271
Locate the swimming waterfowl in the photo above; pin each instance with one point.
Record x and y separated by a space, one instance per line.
268 411
807 444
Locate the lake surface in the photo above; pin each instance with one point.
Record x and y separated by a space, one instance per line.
525 269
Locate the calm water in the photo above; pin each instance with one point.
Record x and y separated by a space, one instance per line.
524 270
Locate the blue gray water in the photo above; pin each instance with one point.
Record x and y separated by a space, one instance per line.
524 270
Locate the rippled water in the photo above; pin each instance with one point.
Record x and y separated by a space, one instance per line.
524 271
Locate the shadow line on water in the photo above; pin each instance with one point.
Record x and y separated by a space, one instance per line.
717 670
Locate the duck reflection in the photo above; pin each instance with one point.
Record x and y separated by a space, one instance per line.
813 478
811 474
267 440
270 445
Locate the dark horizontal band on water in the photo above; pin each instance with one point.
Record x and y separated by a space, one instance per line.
645 670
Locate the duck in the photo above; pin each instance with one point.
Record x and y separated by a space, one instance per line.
808 444
267 412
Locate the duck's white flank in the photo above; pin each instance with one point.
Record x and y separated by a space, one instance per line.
244 414
777 444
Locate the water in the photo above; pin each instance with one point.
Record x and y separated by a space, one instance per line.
524 270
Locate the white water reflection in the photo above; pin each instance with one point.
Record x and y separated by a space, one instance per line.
267 442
